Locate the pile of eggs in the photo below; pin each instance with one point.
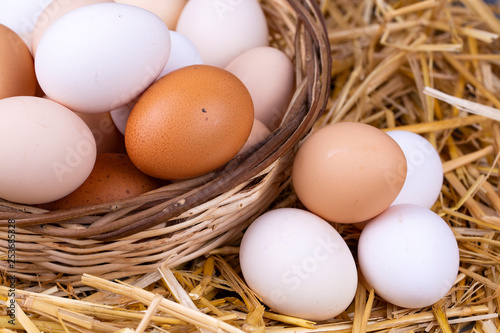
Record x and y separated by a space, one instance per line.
102 100
385 184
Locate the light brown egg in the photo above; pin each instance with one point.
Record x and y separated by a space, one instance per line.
17 71
259 133
190 122
348 172
269 75
107 136
114 177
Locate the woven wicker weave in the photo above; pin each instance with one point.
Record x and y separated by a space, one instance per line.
181 221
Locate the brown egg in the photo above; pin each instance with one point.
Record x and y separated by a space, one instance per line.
114 177
190 122
107 136
17 71
348 172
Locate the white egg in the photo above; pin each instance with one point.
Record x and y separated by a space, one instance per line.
182 53
298 264
221 30
21 16
99 57
120 116
424 177
55 10
409 255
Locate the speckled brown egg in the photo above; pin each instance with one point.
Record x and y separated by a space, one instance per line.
190 122
17 71
114 177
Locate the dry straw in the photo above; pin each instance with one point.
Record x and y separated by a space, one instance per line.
430 67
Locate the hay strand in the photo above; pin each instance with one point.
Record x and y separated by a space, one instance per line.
176 310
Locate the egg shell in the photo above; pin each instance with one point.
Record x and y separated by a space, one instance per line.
298 264
107 136
183 53
221 30
121 114
424 177
17 71
409 255
52 12
101 66
47 150
348 172
269 76
114 177
190 122
169 11
259 132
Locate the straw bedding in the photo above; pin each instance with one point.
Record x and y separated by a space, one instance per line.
430 67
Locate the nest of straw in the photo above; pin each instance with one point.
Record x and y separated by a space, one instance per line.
430 67
185 219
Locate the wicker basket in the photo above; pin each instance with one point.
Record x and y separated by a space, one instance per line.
184 220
